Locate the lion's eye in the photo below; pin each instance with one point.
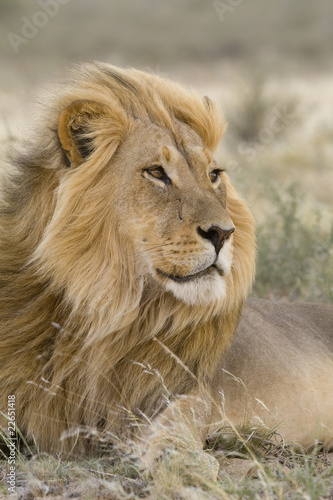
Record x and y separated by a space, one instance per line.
159 173
215 175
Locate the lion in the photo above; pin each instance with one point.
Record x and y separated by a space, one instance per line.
126 260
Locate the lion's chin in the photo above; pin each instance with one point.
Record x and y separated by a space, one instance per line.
202 291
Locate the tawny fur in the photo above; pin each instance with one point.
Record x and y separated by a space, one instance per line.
78 315
279 371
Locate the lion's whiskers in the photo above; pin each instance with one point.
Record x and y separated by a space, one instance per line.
162 245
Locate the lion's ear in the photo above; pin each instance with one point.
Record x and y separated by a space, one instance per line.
75 129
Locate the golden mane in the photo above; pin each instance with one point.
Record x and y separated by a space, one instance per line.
76 323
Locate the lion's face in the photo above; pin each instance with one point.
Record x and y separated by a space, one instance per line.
171 200
141 209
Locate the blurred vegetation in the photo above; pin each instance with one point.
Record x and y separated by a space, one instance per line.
295 253
260 115
152 32
283 169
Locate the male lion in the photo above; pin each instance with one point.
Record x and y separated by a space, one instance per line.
126 257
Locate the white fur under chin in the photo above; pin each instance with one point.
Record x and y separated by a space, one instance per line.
202 291
208 289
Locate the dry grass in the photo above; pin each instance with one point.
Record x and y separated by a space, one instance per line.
254 464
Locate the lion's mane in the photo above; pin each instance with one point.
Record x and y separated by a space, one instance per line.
80 336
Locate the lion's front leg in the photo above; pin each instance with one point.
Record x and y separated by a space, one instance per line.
181 428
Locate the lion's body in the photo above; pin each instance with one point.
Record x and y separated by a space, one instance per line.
281 361
121 280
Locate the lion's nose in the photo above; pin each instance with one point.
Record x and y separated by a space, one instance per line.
217 235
